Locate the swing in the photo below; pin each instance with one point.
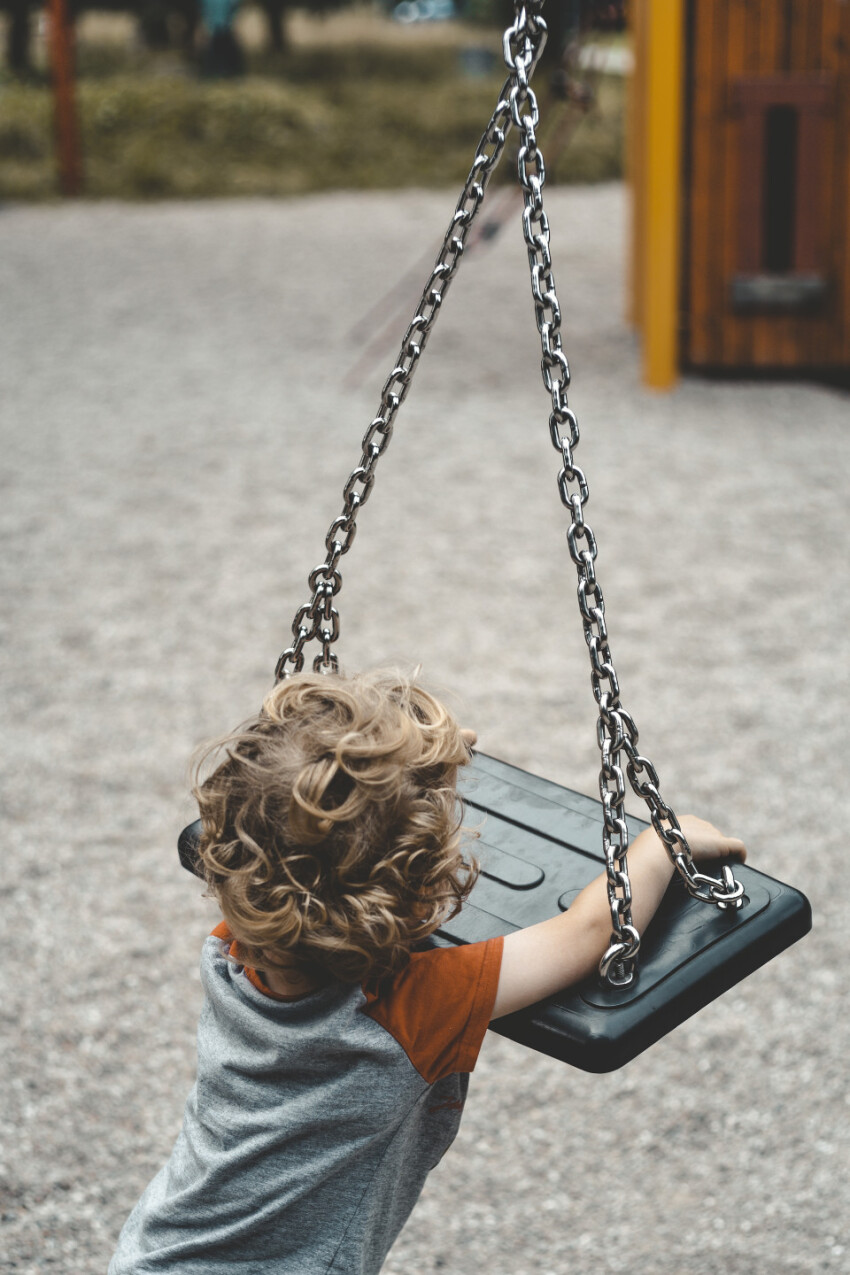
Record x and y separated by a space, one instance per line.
540 842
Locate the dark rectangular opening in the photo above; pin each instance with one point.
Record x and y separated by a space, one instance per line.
781 129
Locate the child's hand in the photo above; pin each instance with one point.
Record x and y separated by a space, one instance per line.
707 843
541 959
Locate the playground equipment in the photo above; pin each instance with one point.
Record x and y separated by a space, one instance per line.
739 159
541 842
66 125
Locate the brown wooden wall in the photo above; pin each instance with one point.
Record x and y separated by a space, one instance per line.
732 44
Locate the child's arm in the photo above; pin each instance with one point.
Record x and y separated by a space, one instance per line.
543 959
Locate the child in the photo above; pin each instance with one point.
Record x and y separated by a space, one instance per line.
333 1048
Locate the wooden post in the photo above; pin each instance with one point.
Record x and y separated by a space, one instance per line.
661 230
61 43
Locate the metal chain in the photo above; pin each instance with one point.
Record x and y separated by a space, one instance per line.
616 729
319 618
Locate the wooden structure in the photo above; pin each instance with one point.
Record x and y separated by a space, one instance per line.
66 127
739 157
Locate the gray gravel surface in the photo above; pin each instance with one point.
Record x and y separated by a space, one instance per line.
183 394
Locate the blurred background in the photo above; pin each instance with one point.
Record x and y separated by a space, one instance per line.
731 122
216 97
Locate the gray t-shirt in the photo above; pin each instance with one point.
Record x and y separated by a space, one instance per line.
313 1123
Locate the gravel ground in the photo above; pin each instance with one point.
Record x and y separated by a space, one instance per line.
183 395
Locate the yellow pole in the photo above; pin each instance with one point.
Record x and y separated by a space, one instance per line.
635 166
664 48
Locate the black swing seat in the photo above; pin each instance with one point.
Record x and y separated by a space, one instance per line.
540 844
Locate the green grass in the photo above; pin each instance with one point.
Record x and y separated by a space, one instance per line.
353 117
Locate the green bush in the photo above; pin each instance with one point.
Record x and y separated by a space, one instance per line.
355 117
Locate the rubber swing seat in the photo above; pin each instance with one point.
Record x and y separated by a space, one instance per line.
540 844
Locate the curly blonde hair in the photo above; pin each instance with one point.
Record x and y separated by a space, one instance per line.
332 828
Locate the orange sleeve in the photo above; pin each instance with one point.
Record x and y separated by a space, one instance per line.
438 1008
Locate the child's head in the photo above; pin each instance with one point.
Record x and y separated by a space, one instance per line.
332 828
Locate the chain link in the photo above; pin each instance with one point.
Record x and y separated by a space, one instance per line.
616 729
318 619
